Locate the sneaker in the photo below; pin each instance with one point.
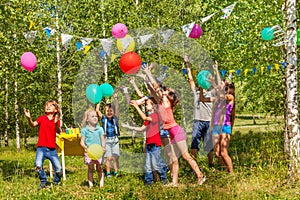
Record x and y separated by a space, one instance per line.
165 181
108 175
55 183
203 179
116 174
42 185
148 184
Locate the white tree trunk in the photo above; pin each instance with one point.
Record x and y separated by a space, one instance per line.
292 89
58 49
18 146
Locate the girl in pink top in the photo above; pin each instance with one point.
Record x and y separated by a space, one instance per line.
168 99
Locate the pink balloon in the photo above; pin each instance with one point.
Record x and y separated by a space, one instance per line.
196 31
119 30
28 61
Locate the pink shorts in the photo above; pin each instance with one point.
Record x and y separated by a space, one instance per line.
177 134
88 160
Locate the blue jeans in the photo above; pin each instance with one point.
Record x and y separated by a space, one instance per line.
43 153
154 162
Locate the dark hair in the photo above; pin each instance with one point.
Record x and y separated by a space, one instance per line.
173 98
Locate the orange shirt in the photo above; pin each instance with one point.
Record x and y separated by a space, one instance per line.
167 117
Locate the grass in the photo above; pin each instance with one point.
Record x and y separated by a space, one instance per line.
260 166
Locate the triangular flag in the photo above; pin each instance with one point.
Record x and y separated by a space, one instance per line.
269 68
31 25
205 19
254 70
144 64
106 44
65 38
102 54
86 41
166 35
48 32
78 45
145 38
187 28
86 49
125 43
184 71
228 10
223 72
30 36
246 71
238 72
262 70
231 71
113 57
283 64
276 67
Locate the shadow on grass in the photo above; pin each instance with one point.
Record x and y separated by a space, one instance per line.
11 170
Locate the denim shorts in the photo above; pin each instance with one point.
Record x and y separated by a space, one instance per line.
201 132
226 129
164 133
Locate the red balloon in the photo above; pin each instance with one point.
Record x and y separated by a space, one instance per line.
130 62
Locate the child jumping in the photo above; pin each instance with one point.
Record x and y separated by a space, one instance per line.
92 133
49 125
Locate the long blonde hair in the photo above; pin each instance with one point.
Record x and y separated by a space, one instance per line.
85 117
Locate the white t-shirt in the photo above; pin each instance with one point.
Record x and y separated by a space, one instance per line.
202 110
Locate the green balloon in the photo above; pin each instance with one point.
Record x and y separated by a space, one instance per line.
267 34
298 36
202 79
93 93
106 89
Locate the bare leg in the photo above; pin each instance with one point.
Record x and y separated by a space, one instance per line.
116 163
225 138
108 160
100 175
90 175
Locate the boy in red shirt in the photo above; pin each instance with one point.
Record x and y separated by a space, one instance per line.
49 125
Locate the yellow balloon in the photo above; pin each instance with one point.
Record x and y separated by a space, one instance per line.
130 46
95 151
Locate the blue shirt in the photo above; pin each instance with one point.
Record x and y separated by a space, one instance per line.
111 128
92 137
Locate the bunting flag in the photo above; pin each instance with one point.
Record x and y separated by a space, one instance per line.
279 35
223 72
228 10
269 68
166 35
231 71
144 64
106 44
65 39
113 57
102 54
254 70
49 31
283 63
31 25
205 19
86 49
184 71
78 45
276 67
187 29
125 43
86 41
246 71
30 36
145 38
262 70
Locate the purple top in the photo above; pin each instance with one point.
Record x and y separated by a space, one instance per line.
217 113
227 120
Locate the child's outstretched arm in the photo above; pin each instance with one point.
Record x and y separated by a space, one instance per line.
27 114
150 75
139 129
138 91
99 113
189 73
141 113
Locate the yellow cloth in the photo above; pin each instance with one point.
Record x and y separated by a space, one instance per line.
70 143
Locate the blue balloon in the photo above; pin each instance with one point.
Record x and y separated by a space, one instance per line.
267 34
202 79
93 93
106 89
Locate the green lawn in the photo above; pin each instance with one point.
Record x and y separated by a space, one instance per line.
259 164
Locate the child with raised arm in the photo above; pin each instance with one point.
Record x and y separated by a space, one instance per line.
49 126
153 141
92 133
168 100
110 124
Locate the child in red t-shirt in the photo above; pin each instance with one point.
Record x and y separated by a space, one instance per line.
49 125
153 141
